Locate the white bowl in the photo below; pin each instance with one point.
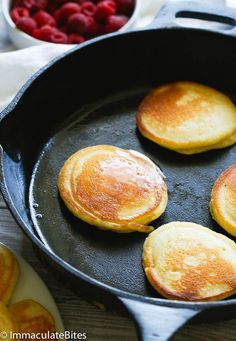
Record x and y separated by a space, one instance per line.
23 40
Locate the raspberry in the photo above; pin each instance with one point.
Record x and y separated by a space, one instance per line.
34 5
115 22
105 9
43 18
59 38
78 23
88 8
68 9
41 4
50 34
125 6
26 25
19 12
36 33
94 29
44 33
75 38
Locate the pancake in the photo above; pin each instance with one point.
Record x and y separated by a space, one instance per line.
188 118
189 262
9 272
33 318
113 189
7 324
223 200
223 144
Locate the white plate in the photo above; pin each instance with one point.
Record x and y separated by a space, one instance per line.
31 286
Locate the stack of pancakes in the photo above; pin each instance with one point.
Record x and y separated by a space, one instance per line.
26 316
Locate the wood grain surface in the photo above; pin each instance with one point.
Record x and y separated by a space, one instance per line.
81 316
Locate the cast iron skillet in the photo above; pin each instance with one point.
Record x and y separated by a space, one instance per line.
89 96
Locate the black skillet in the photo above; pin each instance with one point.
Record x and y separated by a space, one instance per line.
89 96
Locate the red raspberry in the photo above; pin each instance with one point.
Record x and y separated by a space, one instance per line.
88 8
50 34
67 10
19 12
75 39
43 18
59 38
36 33
35 5
78 23
115 22
105 9
94 29
44 33
26 25
125 6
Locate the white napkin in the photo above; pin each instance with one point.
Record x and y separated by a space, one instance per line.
17 66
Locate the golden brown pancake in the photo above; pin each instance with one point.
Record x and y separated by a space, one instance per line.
9 273
223 200
33 318
8 325
188 118
186 261
113 189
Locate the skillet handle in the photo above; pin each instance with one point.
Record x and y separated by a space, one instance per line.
155 322
214 13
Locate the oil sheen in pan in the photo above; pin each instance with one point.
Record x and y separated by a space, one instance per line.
112 258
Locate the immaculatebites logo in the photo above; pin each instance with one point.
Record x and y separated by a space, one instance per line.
67 335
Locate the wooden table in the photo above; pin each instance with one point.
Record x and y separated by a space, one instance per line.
81 316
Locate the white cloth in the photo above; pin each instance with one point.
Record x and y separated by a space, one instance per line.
17 66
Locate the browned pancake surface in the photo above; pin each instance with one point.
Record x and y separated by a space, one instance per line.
223 200
186 261
8 324
108 185
33 318
187 117
9 272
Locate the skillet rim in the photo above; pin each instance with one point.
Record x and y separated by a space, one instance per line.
31 235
